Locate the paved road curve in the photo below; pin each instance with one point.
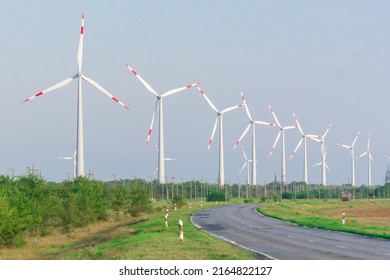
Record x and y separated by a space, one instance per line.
273 239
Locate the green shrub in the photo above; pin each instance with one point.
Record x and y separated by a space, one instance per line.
216 196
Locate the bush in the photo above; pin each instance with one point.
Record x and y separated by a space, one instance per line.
139 201
216 196
179 200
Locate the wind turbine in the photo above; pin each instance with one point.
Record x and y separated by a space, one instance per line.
74 163
352 148
221 172
303 139
80 77
369 159
246 164
321 162
281 132
159 107
321 139
251 124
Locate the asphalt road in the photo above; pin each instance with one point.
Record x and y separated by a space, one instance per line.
273 239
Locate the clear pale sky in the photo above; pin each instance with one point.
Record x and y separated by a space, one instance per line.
327 61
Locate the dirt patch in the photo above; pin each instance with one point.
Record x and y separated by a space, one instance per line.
368 213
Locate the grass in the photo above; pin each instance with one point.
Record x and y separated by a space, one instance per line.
141 238
367 217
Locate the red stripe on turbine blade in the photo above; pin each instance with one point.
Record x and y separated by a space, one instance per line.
127 107
38 94
149 132
82 16
201 91
28 99
189 86
115 99
82 30
135 73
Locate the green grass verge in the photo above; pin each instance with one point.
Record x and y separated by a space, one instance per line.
151 240
367 218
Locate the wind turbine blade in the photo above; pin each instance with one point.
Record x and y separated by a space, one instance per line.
354 141
231 108
148 87
362 155
74 155
371 159
173 91
276 141
80 50
369 140
242 168
56 86
264 123
326 132
246 107
151 124
290 127
242 136
242 148
344 146
212 134
317 164
207 99
296 149
65 158
103 90
298 125
315 138
276 119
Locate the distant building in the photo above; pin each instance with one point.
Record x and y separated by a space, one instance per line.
387 176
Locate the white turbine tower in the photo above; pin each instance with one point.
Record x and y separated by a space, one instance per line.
303 139
159 107
74 162
369 159
352 148
221 172
252 124
246 164
281 132
321 139
80 77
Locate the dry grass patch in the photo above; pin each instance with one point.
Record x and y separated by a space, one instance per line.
58 244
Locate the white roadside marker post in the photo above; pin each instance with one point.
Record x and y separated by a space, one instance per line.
181 232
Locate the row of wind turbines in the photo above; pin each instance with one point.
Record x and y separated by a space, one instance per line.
78 157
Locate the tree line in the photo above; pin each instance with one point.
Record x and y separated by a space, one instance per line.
31 206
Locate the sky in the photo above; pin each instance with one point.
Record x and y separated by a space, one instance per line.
325 61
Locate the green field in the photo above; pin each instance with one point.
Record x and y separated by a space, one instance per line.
366 217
